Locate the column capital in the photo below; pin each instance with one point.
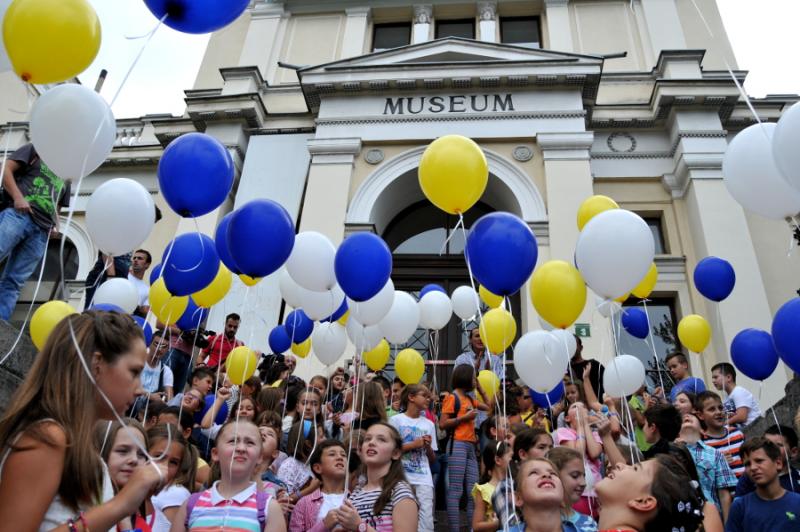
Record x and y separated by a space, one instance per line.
565 146
265 9
487 10
359 11
423 13
334 151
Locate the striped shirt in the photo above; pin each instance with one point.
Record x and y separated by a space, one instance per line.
213 512
364 502
729 445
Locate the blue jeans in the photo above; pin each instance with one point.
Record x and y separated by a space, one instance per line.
23 243
178 362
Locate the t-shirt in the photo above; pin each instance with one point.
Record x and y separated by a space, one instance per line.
213 512
713 471
142 288
752 513
364 503
689 384
582 522
330 501
219 347
486 491
415 462
150 376
729 445
42 188
789 481
637 403
464 431
593 475
167 498
741 397
595 374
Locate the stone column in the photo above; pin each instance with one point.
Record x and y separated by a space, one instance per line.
663 26
262 37
355 31
487 15
559 29
423 18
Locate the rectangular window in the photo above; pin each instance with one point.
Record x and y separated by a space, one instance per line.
520 31
654 222
455 28
391 35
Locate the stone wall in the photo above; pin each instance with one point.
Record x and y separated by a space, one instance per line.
785 411
13 371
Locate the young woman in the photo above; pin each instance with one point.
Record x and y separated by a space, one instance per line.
167 445
52 476
317 512
572 473
496 457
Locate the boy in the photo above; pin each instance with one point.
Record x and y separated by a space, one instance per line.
770 508
678 368
173 415
317 511
397 390
202 380
157 379
387 394
717 434
662 424
740 404
786 440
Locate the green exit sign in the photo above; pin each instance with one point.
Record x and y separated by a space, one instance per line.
583 330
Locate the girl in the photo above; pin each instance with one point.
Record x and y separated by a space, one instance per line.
316 512
309 408
233 503
580 436
320 383
573 393
540 493
243 409
684 403
270 400
462 467
294 472
496 457
52 476
167 445
385 502
369 406
572 473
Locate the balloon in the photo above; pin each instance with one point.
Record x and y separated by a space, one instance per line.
107 307
624 375
319 305
431 288
593 206
279 340
607 307
377 358
566 340
558 293
117 291
646 285
465 302
195 174
192 317
498 329
453 173
614 252
623 298
298 325
241 364
363 338
189 264
635 322
221 240
540 360
216 289
374 309
303 348
546 326
714 278
435 310
694 332
784 146
167 308
752 178
249 281
329 341
339 313
489 382
784 333
116 216
197 16
311 261
546 400
147 331
73 130
260 237
345 318
409 366
49 41
46 318
5 62
753 353
155 273
402 319
363 265
491 300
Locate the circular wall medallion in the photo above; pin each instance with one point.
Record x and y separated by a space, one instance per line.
620 142
522 153
373 156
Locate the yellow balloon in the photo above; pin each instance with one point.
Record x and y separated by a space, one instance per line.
303 348
491 300
489 382
216 290
377 357
343 320
46 318
694 332
623 298
558 293
249 281
167 308
498 330
241 364
49 41
409 366
645 288
453 173
592 207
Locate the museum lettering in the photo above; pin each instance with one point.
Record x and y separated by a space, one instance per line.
476 103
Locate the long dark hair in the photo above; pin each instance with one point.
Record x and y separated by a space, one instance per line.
396 473
491 452
298 415
680 503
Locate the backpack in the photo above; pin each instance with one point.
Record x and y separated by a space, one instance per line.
450 437
262 499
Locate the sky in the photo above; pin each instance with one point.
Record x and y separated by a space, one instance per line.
762 35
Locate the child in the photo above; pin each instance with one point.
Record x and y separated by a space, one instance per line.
244 409
369 405
386 386
233 503
740 404
269 425
316 512
338 382
540 494
662 425
157 378
572 473
269 400
320 383
496 457
294 472
419 448
309 407
684 402
167 445
786 440
573 393
717 434
678 368
385 502
251 387
581 437
397 392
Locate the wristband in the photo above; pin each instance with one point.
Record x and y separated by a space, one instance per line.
613 414
82 519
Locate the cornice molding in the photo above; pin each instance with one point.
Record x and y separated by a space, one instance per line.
334 150
565 146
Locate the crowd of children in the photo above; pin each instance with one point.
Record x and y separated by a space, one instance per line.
363 453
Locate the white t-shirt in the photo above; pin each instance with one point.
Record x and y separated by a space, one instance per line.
415 462
741 397
150 377
167 498
330 501
141 287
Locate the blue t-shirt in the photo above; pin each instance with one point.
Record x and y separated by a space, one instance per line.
751 513
788 482
689 384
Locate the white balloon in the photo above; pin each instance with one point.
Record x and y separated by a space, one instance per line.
785 141
373 310
540 360
465 302
566 340
311 261
363 338
606 307
117 291
73 130
320 305
614 252
119 216
402 320
329 341
435 310
545 326
623 376
5 62
290 291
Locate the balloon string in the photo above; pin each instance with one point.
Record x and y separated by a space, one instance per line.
453 232
149 37
780 433
652 345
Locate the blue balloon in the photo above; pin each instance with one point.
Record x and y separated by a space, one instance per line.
338 313
190 263
714 278
222 415
279 340
195 173
221 239
192 317
634 321
155 273
753 353
502 252
146 329
260 237
785 325
363 265
298 326
197 16
107 307
431 288
550 398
